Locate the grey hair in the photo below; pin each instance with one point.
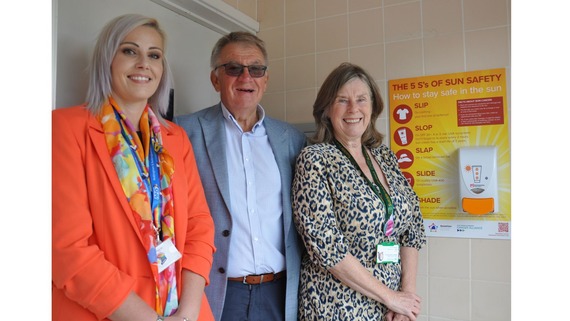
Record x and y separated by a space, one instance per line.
325 99
105 49
236 37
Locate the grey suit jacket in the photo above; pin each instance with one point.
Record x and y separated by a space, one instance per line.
206 131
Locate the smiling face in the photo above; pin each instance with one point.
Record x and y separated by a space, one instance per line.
243 93
350 112
137 67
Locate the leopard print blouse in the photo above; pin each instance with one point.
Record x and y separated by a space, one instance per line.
336 212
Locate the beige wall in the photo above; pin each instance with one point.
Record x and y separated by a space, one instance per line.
459 279
77 24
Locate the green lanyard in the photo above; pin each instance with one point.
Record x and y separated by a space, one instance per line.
377 187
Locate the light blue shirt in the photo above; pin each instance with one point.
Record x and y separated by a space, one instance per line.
257 241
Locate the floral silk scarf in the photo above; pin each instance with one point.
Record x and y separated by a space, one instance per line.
153 212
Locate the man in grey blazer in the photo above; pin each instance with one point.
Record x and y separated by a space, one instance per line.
246 161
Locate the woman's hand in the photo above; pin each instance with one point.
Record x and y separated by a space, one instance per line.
393 316
403 306
177 318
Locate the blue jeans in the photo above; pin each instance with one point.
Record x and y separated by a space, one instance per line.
261 302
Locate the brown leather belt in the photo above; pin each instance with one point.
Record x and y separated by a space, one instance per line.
258 279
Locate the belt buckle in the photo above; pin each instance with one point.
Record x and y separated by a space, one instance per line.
244 281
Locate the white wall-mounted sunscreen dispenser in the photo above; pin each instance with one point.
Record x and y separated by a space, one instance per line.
478 192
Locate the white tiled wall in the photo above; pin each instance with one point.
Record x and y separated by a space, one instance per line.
459 279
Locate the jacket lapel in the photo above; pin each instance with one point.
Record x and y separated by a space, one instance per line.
215 139
97 137
278 139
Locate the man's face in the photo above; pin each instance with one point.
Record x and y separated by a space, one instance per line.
243 92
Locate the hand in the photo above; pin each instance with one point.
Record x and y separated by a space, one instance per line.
174 317
403 304
393 316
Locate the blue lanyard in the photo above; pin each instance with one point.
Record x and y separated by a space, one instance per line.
151 179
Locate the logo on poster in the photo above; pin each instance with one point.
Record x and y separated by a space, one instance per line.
432 227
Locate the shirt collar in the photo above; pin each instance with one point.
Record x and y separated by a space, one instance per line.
260 113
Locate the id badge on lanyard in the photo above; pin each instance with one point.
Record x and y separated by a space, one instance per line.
387 252
167 254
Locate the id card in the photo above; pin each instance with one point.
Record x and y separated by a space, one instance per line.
387 252
167 254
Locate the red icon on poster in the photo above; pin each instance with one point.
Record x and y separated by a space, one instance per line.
409 178
403 136
405 158
402 114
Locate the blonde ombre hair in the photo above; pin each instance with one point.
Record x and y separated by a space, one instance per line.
108 42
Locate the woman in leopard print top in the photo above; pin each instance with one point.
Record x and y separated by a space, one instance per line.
358 216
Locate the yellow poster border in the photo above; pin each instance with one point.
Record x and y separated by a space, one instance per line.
442 128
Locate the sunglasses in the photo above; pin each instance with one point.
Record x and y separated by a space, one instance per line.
235 69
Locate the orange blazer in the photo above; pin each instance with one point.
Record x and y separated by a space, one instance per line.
97 253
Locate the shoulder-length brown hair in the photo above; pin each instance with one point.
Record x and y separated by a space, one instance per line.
342 74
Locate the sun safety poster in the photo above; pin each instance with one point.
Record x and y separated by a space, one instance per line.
450 134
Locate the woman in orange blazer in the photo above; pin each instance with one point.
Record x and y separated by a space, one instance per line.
132 235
